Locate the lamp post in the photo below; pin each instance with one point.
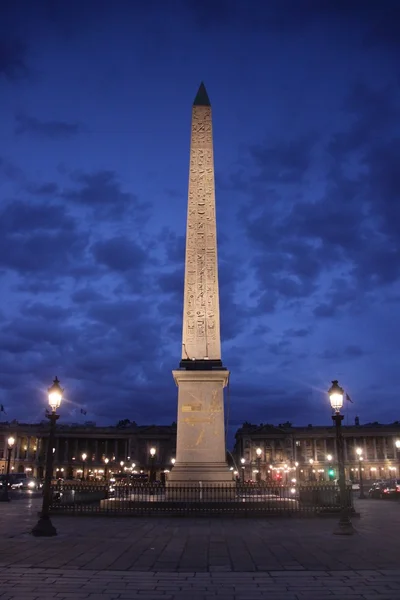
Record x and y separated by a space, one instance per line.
173 460
10 445
336 394
360 476
84 457
397 444
311 475
152 473
243 461
329 458
106 461
44 527
258 452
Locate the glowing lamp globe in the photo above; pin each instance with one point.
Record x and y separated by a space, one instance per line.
336 394
55 394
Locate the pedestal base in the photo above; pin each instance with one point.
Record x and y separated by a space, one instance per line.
194 483
44 528
344 527
200 445
208 474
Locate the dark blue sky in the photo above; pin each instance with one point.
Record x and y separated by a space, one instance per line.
95 108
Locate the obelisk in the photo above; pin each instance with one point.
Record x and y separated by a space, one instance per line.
201 378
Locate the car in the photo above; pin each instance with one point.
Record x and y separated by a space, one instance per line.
19 481
380 489
393 486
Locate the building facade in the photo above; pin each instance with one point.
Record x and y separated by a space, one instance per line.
284 452
264 452
128 444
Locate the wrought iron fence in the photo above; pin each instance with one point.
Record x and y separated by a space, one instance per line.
196 500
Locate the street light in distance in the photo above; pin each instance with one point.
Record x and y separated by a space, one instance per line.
44 527
10 445
336 395
360 475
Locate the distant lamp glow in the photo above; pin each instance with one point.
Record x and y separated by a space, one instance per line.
10 442
121 463
152 452
311 461
397 443
336 394
173 461
329 457
258 452
55 392
359 452
106 460
84 456
242 460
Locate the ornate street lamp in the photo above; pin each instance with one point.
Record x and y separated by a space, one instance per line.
336 394
10 445
243 461
360 476
106 461
84 457
152 471
258 452
329 458
44 527
397 444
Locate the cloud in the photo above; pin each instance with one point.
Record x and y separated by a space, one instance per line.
24 217
284 161
13 64
349 232
40 239
85 295
49 188
53 130
351 351
300 333
101 192
120 254
10 171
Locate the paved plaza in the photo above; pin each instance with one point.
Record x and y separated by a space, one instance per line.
199 558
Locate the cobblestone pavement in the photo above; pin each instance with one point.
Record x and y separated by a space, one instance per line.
187 558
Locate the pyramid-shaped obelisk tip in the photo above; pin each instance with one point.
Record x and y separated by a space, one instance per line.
202 98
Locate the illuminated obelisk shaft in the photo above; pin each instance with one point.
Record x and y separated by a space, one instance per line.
201 324
200 448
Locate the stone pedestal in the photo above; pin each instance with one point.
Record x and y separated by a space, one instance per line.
200 452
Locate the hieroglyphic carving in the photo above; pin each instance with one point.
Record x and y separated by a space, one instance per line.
201 322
